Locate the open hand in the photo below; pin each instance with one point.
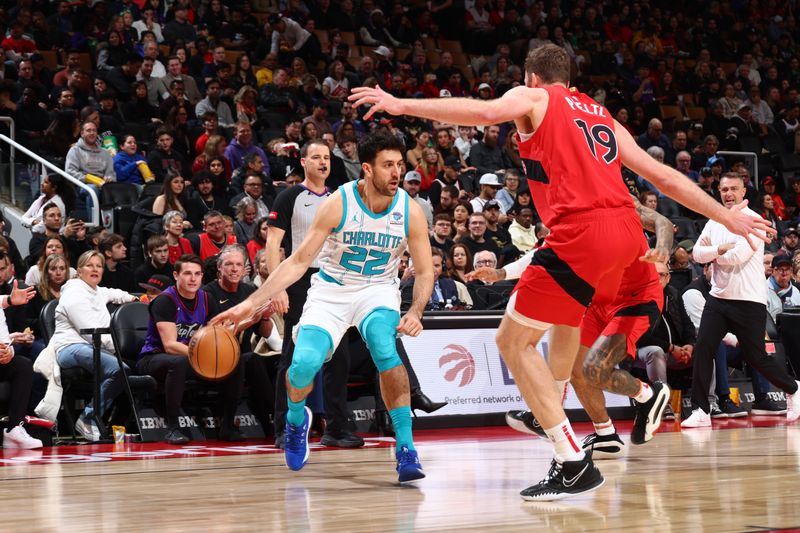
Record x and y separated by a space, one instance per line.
655 255
380 100
486 274
235 316
21 296
747 225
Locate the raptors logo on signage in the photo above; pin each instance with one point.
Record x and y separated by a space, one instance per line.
460 362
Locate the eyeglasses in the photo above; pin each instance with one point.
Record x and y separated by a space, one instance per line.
486 262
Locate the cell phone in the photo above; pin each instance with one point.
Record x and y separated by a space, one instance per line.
75 216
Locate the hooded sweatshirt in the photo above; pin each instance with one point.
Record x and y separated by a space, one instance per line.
352 166
82 160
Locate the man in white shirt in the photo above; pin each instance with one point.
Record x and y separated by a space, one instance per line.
523 233
737 304
489 185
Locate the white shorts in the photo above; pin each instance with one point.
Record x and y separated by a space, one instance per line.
336 308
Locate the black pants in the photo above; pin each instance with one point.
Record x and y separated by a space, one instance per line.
173 370
260 391
746 320
334 372
19 372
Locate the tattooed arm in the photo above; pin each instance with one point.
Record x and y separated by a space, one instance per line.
662 227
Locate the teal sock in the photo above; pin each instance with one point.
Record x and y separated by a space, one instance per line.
401 420
297 412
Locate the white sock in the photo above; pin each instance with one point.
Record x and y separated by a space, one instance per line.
561 385
645 393
565 442
604 429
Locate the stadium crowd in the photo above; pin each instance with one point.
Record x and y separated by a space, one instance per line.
189 119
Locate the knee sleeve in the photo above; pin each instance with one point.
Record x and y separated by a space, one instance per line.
379 331
310 351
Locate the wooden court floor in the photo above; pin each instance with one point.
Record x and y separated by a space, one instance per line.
734 478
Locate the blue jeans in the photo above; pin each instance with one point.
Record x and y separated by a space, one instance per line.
87 199
80 356
727 355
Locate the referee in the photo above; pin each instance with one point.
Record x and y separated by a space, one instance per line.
737 304
292 215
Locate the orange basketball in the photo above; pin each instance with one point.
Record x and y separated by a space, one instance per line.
214 352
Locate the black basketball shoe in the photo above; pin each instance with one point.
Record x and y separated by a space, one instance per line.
564 480
649 413
604 446
525 422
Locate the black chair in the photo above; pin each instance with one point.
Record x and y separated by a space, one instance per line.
789 328
669 208
686 228
115 194
47 320
128 331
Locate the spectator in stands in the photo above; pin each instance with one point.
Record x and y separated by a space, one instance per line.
52 246
791 198
138 109
445 292
347 150
179 28
781 293
175 316
683 163
121 78
461 213
429 167
18 371
259 240
670 342
173 195
243 145
128 163
486 156
32 119
490 185
116 274
476 241
411 184
745 123
787 126
245 100
496 230
480 298
228 290
246 212
522 231
174 74
177 244
253 189
769 190
163 159
278 97
508 194
157 263
762 114
442 229
243 73
654 136
57 272
90 163
301 43
55 190
148 22
459 259
213 238
83 305
791 242
213 102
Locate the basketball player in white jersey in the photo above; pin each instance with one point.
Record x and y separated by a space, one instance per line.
362 231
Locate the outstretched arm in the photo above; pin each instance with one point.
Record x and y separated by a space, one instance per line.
680 188
328 217
515 103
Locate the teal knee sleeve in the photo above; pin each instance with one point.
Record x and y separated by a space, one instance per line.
310 351
379 331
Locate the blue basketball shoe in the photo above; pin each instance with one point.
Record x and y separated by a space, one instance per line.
296 448
408 466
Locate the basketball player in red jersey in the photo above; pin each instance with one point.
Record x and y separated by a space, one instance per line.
596 232
608 335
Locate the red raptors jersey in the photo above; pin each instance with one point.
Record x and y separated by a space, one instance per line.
578 151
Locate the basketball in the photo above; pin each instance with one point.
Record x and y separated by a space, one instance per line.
213 352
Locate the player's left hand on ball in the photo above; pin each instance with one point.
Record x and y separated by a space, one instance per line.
410 324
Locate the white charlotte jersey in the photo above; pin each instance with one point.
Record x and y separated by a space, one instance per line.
365 247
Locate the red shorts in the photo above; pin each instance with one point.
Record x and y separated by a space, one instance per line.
634 311
582 261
